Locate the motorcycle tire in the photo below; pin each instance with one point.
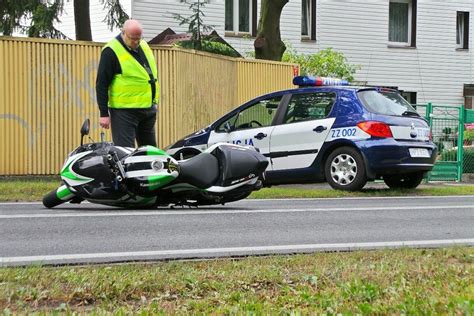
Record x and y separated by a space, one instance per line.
51 199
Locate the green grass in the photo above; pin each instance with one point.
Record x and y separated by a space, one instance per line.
403 281
288 192
34 188
14 189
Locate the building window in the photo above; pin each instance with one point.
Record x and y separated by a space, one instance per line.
308 19
241 16
462 30
402 23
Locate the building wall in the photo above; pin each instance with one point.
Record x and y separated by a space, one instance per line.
435 70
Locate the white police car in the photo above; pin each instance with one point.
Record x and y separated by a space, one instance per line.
343 134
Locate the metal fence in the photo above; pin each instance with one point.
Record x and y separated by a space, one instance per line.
47 88
452 130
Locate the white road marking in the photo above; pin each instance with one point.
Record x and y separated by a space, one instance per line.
298 199
225 212
232 251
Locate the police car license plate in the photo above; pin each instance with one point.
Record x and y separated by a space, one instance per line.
419 152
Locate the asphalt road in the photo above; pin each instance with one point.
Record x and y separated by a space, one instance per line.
87 233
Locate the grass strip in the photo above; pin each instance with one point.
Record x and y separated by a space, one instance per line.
301 192
13 189
402 281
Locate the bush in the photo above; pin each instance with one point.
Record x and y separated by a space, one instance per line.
469 135
210 47
325 63
468 158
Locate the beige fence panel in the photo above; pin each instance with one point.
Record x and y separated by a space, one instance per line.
260 77
47 88
196 87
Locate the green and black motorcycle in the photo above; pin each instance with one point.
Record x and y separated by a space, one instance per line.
103 173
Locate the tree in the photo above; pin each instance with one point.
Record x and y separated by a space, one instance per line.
195 22
196 26
42 14
82 14
325 63
268 44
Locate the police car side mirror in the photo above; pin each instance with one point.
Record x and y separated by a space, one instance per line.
227 127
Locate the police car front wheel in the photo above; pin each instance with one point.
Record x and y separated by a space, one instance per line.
345 169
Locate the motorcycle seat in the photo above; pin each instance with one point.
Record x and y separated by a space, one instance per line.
200 171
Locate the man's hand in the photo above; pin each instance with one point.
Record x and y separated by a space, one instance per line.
104 122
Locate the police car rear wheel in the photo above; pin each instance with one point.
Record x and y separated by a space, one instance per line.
404 181
345 169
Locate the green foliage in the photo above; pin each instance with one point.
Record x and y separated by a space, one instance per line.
468 158
41 16
210 47
116 16
196 28
15 15
326 63
42 21
194 22
469 135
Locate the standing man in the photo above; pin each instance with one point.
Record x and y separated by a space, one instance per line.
127 88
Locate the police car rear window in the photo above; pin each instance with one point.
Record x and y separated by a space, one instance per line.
386 102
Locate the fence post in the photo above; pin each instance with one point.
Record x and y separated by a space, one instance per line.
461 142
429 111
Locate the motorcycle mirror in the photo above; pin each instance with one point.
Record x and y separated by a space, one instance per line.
85 129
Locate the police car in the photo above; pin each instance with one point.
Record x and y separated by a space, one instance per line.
326 130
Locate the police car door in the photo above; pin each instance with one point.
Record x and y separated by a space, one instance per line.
296 142
250 126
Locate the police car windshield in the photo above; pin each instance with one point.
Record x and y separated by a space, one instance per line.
386 102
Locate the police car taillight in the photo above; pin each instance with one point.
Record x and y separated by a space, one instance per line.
376 129
310 81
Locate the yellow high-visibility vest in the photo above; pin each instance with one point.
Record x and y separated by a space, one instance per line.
132 89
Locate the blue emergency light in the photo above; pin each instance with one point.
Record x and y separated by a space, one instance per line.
310 81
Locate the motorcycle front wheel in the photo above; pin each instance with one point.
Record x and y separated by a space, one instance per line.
51 199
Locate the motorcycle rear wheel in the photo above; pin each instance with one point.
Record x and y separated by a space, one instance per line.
51 199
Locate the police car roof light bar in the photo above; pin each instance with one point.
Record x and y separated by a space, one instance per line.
310 81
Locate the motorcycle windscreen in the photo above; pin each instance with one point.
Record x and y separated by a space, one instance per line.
104 185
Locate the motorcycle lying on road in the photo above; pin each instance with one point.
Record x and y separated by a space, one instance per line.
103 173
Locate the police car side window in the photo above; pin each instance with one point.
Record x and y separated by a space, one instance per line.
259 114
309 106
227 125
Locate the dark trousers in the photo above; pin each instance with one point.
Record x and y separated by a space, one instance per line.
129 125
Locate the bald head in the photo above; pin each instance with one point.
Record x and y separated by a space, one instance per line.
132 33
133 27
